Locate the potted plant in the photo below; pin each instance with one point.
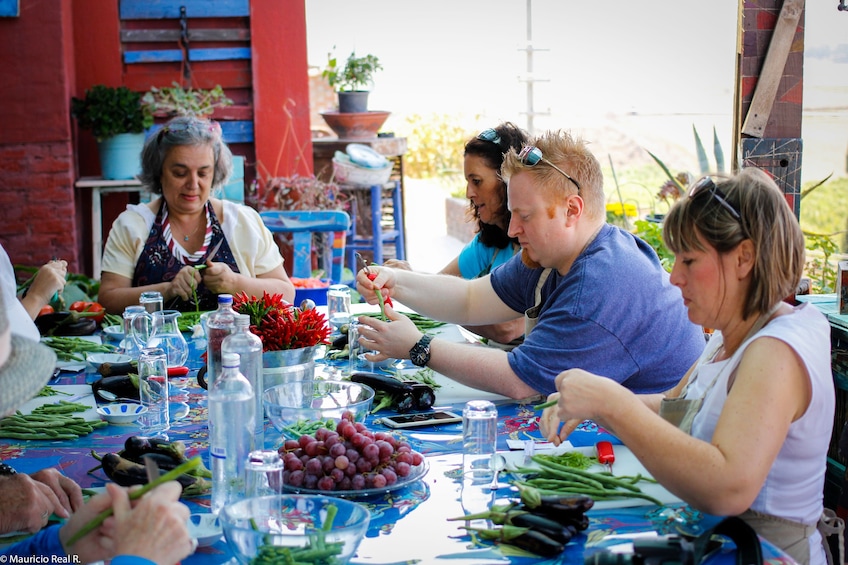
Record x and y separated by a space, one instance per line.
352 82
174 100
117 118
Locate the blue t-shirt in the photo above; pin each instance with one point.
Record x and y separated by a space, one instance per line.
46 543
477 260
614 313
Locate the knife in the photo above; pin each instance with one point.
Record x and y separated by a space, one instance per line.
215 250
152 469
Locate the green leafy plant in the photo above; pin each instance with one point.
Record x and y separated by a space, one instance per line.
819 268
175 100
108 111
436 144
357 73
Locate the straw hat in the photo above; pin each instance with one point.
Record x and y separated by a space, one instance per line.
25 366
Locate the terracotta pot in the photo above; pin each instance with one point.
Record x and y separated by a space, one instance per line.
359 125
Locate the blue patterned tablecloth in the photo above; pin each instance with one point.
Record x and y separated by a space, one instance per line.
408 525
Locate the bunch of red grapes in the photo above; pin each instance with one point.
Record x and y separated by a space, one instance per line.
350 458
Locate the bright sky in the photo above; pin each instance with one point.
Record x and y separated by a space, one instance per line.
464 57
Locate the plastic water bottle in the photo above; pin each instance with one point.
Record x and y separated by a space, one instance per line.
231 424
220 324
249 349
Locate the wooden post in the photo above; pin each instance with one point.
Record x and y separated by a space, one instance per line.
769 92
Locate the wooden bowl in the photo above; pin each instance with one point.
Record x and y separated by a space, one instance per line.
355 125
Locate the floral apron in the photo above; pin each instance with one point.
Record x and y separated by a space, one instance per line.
157 264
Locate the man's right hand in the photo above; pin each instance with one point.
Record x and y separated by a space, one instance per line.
26 504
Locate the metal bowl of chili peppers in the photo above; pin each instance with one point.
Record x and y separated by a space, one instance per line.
296 406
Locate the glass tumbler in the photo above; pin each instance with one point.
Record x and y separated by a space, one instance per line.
153 391
152 301
264 473
338 306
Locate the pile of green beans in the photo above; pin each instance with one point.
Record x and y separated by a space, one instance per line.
74 348
49 422
308 555
308 427
555 478
112 320
423 323
50 391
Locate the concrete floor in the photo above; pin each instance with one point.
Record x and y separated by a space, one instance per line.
428 246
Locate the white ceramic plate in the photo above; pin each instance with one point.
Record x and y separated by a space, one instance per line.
115 332
121 413
364 156
97 359
205 528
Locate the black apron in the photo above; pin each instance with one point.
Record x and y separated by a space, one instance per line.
157 264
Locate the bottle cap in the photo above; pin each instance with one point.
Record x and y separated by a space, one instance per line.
230 360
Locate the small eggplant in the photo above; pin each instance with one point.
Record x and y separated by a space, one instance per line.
399 392
538 543
423 394
125 386
116 369
65 324
136 447
547 526
128 473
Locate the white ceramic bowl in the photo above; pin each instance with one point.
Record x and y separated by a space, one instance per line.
115 332
205 528
97 359
121 413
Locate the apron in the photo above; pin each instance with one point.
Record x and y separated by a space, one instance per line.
531 315
157 263
792 537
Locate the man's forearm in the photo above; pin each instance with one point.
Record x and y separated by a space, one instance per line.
478 367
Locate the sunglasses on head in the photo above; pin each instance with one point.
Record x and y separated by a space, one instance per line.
491 136
707 186
532 156
213 127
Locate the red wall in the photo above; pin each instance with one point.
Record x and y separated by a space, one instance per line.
58 49
36 153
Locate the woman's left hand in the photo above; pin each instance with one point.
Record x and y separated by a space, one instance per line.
219 277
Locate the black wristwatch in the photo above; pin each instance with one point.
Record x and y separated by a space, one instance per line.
420 352
6 470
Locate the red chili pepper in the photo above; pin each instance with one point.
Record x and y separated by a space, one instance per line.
387 300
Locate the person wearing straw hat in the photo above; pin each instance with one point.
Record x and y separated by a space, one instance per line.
150 530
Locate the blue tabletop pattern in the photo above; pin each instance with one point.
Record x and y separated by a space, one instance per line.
408 525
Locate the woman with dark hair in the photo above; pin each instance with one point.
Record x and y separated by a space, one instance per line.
187 244
747 429
487 205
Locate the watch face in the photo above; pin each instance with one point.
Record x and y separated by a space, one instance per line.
420 352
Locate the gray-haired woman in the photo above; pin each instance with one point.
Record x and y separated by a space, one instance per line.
187 243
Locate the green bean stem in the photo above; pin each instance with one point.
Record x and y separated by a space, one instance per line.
171 475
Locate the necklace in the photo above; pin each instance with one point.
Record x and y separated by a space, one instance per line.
187 236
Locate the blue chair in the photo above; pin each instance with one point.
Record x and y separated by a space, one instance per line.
380 235
302 224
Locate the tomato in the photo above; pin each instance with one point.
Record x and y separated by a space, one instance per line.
96 309
46 309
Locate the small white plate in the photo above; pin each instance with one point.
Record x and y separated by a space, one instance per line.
121 413
205 528
364 156
97 359
115 332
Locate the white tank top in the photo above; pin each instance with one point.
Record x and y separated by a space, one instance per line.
795 483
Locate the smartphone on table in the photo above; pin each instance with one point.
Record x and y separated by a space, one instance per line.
422 419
